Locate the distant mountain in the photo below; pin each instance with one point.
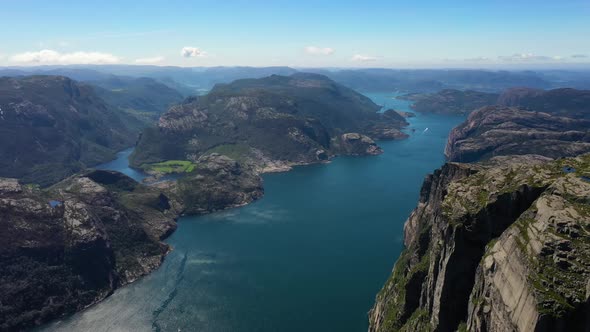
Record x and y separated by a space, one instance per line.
139 96
52 127
565 101
273 121
142 96
193 79
499 130
450 101
197 78
432 80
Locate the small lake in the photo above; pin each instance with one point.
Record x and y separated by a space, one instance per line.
309 256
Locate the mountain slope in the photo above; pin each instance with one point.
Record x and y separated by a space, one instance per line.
137 95
275 120
51 127
564 102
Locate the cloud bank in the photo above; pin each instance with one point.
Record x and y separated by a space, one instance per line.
192 52
363 58
153 60
314 50
525 57
54 57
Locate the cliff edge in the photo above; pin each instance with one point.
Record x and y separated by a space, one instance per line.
494 246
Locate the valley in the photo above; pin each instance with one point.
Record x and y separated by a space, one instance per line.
309 244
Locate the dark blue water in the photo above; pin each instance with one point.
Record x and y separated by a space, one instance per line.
309 256
121 164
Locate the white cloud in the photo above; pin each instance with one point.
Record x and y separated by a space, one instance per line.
314 50
363 58
153 60
191 52
54 57
477 59
527 57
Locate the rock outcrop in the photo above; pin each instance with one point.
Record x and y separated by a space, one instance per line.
406 114
67 247
355 144
218 183
495 246
498 130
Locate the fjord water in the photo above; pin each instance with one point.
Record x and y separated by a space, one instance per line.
309 256
121 164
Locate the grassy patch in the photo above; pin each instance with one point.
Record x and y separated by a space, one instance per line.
170 166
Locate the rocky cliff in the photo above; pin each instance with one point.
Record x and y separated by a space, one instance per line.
494 246
499 130
69 246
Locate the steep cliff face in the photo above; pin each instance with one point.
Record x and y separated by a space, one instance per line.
535 277
400 299
67 247
465 262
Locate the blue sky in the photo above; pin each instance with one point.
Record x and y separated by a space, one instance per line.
297 33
